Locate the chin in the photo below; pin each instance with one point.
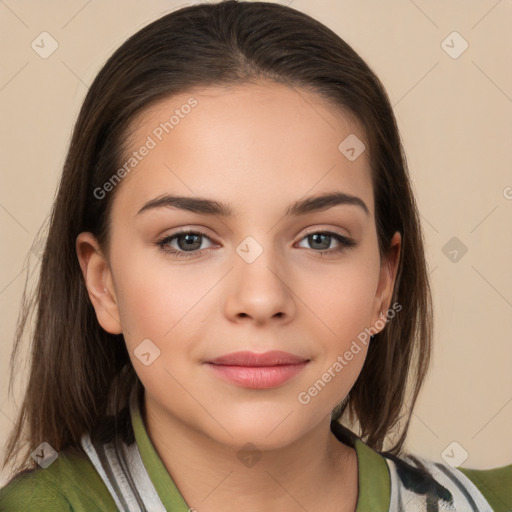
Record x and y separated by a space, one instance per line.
263 427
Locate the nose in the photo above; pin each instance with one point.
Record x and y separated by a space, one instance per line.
260 288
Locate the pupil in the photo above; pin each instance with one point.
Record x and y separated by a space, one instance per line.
190 240
315 239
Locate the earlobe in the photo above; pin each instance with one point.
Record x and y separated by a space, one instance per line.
99 282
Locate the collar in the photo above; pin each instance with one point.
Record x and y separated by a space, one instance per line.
373 472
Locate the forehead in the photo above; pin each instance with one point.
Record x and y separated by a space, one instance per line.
258 142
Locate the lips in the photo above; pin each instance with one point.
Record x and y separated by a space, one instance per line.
257 371
244 358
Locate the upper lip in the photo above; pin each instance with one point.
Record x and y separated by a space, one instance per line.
245 358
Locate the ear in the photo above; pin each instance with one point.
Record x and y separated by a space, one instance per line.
99 282
388 272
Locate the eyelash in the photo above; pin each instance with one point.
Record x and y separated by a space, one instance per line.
346 243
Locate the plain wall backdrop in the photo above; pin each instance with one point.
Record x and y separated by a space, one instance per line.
452 96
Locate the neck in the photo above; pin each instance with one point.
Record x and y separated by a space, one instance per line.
316 471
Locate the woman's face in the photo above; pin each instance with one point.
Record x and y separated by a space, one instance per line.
262 269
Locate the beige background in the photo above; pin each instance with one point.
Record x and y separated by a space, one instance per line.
455 116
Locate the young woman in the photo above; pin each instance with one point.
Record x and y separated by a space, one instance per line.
234 268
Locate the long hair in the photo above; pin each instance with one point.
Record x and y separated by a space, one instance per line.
78 371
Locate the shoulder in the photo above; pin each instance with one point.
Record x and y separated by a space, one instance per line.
420 482
70 483
495 484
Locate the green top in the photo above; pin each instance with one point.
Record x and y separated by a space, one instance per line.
71 483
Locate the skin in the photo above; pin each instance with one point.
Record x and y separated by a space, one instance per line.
258 148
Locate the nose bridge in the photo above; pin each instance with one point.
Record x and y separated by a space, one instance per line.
257 260
260 289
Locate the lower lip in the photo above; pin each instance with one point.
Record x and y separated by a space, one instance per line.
257 377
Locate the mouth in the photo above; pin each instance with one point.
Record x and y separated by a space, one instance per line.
257 371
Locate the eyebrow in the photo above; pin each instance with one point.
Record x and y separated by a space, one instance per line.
210 207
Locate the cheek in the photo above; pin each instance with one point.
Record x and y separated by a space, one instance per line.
342 306
344 311
341 300
156 297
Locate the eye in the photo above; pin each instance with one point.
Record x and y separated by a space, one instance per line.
322 240
189 244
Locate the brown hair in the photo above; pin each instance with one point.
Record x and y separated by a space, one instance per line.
79 372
